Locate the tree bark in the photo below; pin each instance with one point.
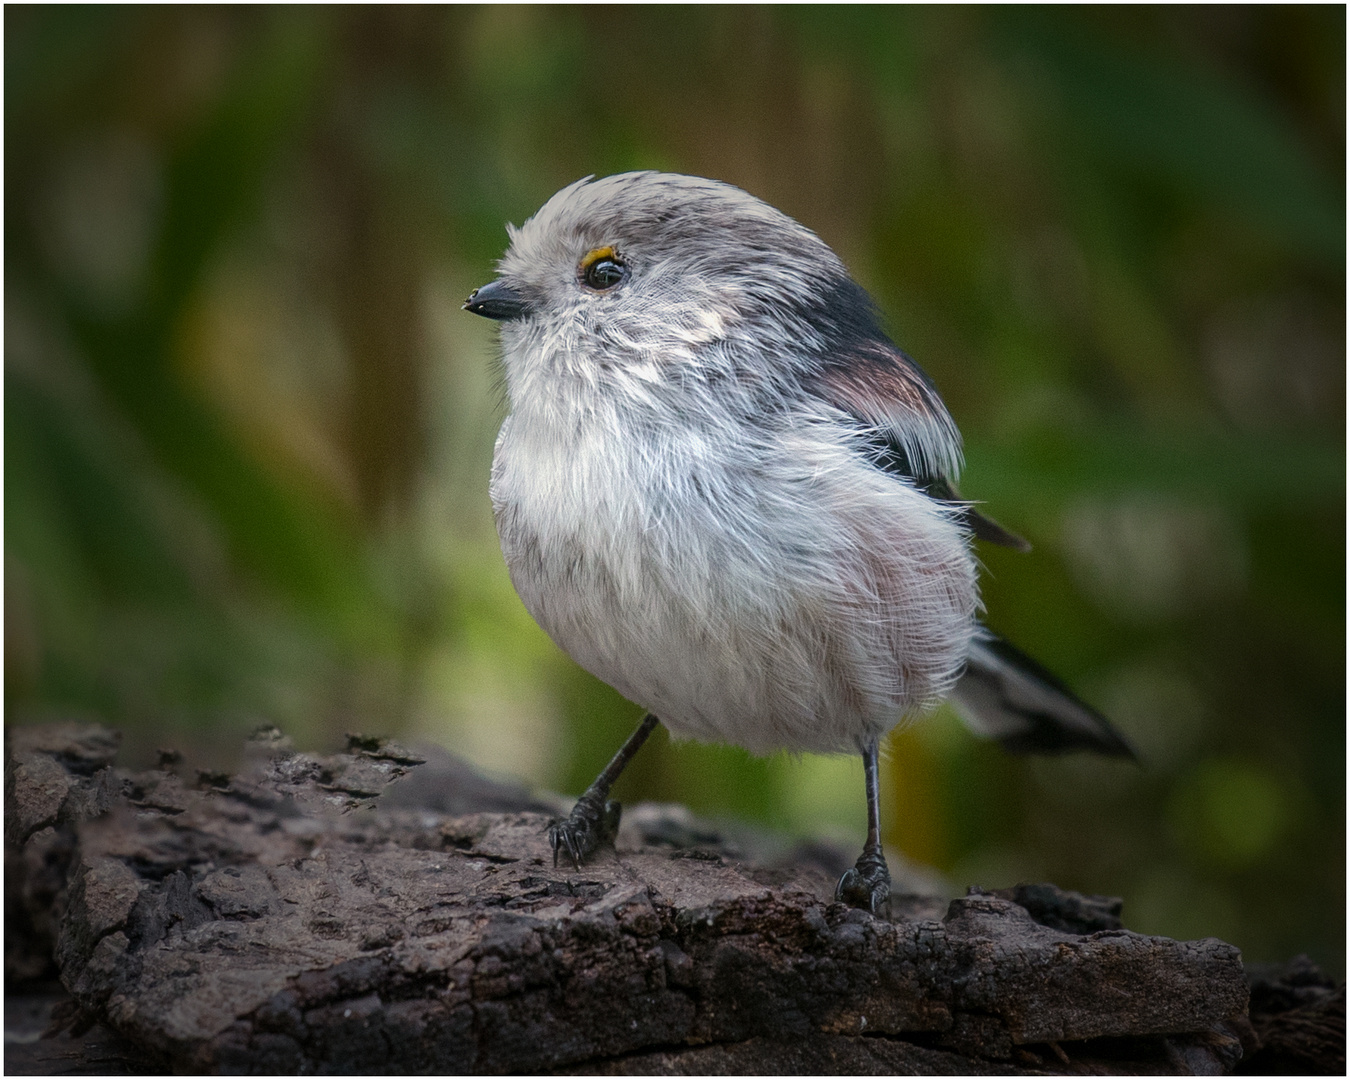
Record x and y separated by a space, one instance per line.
290 919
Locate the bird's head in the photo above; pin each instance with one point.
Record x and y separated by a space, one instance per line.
662 278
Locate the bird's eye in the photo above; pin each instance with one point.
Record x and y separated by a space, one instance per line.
602 269
604 274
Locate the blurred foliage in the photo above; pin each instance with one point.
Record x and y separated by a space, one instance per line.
247 429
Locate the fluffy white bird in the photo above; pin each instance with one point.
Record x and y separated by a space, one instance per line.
723 490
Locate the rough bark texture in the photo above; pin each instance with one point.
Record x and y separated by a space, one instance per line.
288 920
1299 1017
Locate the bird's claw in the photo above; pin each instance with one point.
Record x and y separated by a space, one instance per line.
867 884
592 822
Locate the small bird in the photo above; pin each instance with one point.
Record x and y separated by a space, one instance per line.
723 490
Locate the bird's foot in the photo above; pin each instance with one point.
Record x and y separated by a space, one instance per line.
867 884
592 822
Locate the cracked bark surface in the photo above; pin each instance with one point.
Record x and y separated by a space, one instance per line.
289 919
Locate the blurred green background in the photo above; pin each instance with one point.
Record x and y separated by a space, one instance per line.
248 429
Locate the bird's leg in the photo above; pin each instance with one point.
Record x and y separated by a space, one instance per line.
868 883
594 820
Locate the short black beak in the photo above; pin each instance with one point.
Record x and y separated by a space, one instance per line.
496 300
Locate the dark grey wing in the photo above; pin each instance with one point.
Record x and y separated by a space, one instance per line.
1005 695
906 427
906 430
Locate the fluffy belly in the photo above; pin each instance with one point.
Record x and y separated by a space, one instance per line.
718 674
804 610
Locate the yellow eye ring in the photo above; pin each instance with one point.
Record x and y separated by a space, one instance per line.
602 269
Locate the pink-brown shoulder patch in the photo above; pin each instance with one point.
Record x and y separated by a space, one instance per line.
878 383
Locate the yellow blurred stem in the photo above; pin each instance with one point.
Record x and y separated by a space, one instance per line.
911 789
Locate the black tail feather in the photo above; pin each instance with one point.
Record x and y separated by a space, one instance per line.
1006 695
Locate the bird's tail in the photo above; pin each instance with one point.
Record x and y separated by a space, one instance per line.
1006 695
